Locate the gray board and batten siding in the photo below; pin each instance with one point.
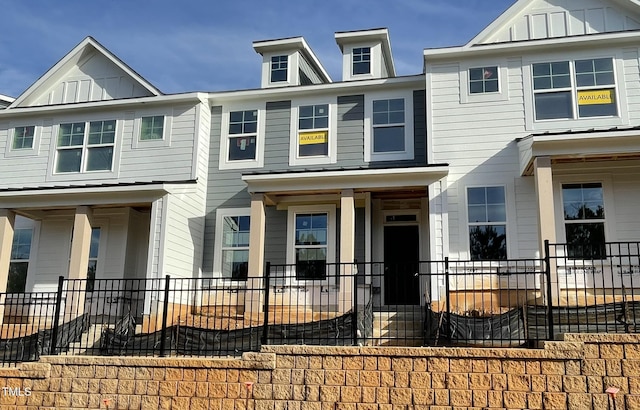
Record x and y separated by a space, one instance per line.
227 190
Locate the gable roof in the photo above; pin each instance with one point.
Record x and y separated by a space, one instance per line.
77 57
546 19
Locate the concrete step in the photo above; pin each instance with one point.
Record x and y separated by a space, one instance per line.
87 340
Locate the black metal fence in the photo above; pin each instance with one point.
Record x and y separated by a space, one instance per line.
486 303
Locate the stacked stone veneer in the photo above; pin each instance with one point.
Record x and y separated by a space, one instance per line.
573 374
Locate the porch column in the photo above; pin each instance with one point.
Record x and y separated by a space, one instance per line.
347 249
7 222
78 262
252 301
546 214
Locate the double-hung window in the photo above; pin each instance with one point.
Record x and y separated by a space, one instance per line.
243 135
389 127
231 254
279 69
23 137
361 60
574 89
584 218
486 207
85 146
19 262
311 240
313 132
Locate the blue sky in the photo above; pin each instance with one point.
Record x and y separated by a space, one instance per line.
199 45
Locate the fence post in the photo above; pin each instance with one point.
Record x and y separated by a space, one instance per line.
547 272
56 316
448 295
165 308
354 324
265 321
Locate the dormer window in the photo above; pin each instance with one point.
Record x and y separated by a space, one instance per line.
361 60
279 68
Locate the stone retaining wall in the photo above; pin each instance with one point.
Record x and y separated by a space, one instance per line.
573 374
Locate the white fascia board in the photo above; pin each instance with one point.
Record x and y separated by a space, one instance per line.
337 180
564 145
549 44
7 98
307 90
108 195
502 20
147 101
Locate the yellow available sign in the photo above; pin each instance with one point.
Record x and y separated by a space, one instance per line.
316 137
595 97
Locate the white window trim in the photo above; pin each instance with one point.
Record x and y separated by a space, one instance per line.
166 130
85 175
408 153
29 260
291 233
24 152
217 249
291 73
332 156
532 124
503 85
375 70
258 162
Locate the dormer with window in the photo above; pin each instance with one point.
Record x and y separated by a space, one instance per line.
366 54
289 62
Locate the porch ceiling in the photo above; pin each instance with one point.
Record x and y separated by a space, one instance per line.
360 180
579 146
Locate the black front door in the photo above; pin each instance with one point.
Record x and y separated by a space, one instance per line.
401 257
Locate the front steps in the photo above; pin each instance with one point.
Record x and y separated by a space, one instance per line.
398 326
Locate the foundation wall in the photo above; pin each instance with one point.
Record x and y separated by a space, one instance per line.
572 374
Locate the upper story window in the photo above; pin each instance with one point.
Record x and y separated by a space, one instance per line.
85 146
243 135
152 128
361 60
483 80
23 137
279 68
313 135
578 89
487 216
313 130
391 128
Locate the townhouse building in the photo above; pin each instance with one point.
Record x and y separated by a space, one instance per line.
527 133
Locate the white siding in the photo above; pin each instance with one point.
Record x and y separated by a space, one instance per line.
133 162
561 18
478 139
